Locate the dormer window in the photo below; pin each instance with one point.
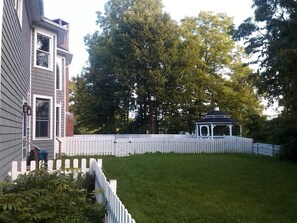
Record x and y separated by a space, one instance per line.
43 50
43 46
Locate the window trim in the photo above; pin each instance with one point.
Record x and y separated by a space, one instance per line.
50 117
51 54
18 5
58 106
60 65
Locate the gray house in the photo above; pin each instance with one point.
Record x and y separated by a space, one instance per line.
33 81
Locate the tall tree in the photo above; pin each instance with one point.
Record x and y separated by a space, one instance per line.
149 74
142 38
213 67
271 34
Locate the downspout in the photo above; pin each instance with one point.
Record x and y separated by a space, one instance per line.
1 19
30 100
54 124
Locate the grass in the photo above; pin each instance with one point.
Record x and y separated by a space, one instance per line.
208 188
169 188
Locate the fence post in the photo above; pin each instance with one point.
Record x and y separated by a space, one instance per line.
91 167
84 166
14 170
114 145
272 149
99 162
113 185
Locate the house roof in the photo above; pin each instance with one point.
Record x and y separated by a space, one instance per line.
36 14
66 54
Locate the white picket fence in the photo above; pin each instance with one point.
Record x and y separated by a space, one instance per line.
116 211
52 165
124 145
266 149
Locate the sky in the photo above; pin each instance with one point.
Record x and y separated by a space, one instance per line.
81 15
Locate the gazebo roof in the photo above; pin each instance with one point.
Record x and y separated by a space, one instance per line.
217 120
217 116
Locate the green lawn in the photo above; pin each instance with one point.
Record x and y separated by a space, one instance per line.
205 188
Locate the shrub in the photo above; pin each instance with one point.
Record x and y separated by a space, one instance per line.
49 197
284 132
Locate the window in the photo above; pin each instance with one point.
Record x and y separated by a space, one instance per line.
42 118
204 130
58 114
43 51
58 77
18 5
236 131
60 66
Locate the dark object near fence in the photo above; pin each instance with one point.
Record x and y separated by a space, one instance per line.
37 155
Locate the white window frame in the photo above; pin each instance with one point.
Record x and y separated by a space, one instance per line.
18 5
51 54
60 119
59 63
50 117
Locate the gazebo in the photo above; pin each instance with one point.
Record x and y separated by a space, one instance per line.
217 124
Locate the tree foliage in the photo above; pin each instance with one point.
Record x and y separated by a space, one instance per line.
148 73
271 34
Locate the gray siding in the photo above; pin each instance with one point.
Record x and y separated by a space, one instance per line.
43 83
15 83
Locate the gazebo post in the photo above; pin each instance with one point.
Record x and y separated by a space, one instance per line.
230 130
211 130
197 132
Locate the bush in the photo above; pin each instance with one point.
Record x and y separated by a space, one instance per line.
43 197
284 132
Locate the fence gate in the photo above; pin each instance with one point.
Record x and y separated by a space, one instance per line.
122 146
